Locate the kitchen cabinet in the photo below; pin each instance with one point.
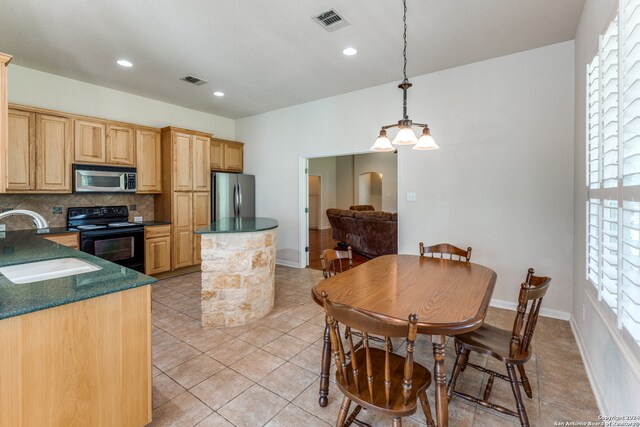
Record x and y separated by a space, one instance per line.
120 148
90 142
66 239
149 161
21 151
4 118
38 153
185 196
157 249
201 217
227 156
183 229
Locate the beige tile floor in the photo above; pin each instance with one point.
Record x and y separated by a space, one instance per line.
267 373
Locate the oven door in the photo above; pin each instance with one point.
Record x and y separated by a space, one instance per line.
121 246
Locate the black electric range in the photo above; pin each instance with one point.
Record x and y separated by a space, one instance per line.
106 233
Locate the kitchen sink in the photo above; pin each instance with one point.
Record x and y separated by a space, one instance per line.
45 270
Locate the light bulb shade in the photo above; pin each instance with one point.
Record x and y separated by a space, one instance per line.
382 143
405 136
426 141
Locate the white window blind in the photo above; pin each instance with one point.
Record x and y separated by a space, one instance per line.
613 171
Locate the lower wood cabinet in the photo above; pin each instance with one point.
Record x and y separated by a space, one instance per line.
157 249
67 239
191 210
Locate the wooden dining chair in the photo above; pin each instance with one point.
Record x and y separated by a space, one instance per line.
376 379
334 261
446 250
513 348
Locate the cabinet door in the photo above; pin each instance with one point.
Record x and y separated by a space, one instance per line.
217 155
120 146
148 164
182 162
233 157
201 163
157 255
66 239
53 148
201 217
90 142
21 154
182 230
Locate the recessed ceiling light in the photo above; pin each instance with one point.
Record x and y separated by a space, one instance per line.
218 93
350 51
124 63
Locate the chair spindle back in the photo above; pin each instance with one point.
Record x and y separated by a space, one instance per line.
447 251
353 318
332 261
529 301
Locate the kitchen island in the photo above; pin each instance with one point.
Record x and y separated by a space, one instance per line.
238 270
76 350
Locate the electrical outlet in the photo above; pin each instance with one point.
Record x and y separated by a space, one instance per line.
137 219
411 197
56 210
133 207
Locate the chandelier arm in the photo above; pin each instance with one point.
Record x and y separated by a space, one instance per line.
420 125
395 125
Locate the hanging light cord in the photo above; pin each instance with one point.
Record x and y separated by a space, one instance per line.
404 38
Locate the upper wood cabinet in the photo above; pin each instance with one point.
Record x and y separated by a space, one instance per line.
21 151
227 155
121 148
188 159
53 153
38 153
149 161
90 141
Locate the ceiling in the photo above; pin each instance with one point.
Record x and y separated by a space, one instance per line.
266 55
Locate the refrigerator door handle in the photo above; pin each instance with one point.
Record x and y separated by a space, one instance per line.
235 199
239 199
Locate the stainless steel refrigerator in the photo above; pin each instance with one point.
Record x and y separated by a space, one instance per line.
232 195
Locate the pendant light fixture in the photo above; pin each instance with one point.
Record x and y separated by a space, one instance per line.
405 135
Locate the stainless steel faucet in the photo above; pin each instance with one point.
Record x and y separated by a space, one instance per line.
38 219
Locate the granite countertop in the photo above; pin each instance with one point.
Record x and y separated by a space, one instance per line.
62 230
17 247
239 225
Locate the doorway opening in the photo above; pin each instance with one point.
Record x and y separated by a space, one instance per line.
341 182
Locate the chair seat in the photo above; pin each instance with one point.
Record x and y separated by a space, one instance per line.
494 342
421 380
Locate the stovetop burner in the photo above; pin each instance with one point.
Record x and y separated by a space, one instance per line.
90 227
99 217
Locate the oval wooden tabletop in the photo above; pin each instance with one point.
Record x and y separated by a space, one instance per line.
449 297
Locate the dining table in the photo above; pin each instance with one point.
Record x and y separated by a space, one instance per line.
449 297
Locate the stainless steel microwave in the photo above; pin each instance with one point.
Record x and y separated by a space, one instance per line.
103 179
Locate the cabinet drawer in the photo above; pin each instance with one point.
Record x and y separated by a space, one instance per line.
157 231
66 239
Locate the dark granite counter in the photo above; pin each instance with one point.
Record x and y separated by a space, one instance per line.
17 247
239 225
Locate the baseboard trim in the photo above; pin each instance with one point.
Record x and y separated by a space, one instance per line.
546 312
287 263
593 382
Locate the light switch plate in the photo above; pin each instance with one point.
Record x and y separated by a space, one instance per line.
411 197
137 219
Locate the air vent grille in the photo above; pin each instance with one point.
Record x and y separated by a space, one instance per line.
330 20
194 80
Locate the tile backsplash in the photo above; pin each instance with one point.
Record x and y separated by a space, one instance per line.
47 204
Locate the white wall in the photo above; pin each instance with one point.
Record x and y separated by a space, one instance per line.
501 181
385 164
37 89
614 377
344 182
325 167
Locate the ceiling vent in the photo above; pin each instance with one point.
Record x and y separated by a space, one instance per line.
330 20
194 80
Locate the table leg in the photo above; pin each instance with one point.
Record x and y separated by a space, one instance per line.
442 403
325 367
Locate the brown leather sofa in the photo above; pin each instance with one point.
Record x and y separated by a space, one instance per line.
370 233
362 208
